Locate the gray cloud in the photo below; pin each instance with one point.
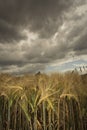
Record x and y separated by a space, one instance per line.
80 46
77 35
40 16
9 33
28 68
60 26
44 51
11 55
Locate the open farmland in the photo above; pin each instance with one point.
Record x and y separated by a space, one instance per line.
43 102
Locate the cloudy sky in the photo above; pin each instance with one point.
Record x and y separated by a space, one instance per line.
45 35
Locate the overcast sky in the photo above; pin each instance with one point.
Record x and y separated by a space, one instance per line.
45 35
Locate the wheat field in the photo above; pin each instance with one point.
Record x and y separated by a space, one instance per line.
43 102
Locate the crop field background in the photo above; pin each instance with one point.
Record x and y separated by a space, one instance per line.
43 102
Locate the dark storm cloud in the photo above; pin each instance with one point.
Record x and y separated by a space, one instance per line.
9 33
40 16
27 68
77 36
80 46
44 51
45 31
11 55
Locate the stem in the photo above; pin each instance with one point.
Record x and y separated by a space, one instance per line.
8 115
50 128
44 116
64 111
35 119
58 114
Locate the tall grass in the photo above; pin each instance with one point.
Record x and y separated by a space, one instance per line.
41 102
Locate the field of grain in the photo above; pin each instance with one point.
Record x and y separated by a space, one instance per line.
43 102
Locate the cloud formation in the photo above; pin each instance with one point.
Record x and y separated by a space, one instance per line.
39 16
36 33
